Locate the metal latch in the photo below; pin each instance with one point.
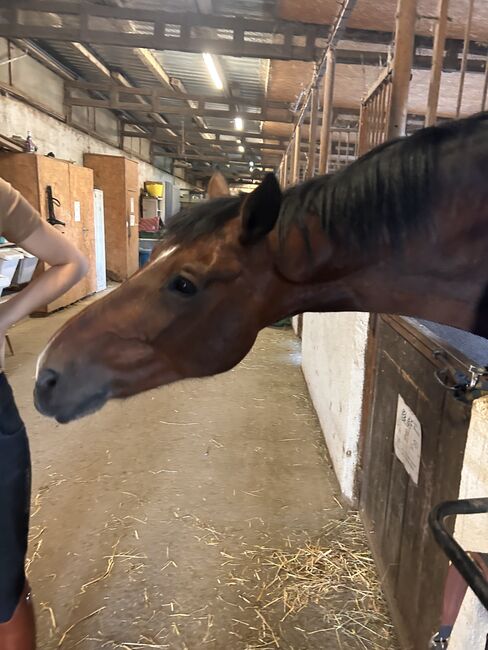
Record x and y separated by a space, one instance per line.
464 387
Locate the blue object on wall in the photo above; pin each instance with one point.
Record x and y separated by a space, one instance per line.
144 256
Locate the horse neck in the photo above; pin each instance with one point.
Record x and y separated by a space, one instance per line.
419 283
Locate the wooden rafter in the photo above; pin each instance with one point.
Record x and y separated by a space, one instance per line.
271 39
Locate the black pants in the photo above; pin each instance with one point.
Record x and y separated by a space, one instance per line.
15 488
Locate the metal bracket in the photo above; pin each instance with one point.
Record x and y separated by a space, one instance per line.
464 387
461 560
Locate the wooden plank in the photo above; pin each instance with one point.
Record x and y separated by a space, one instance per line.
417 542
132 185
437 60
295 175
485 86
55 173
163 93
378 450
81 190
111 103
109 176
312 141
21 172
464 59
327 109
402 66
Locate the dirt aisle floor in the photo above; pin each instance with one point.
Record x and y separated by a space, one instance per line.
201 515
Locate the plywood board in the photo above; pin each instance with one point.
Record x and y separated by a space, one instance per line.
109 176
81 190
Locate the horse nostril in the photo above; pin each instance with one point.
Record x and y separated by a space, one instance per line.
48 379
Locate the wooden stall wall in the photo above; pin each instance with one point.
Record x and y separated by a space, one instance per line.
71 185
393 507
118 178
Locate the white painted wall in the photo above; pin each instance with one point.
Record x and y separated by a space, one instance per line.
471 531
68 143
333 349
294 324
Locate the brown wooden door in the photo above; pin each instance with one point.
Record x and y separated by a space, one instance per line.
81 196
56 173
118 178
395 510
132 207
20 170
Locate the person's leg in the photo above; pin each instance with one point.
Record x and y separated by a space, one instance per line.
16 619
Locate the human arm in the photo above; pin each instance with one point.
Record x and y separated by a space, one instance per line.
67 267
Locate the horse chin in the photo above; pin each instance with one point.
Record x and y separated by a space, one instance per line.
69 412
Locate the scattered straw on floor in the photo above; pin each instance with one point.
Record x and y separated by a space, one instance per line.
333 576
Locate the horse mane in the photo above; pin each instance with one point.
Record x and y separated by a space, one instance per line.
383 195
378 199
202 219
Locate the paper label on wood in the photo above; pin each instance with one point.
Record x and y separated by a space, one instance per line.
77 211
132 219
408 440
132 205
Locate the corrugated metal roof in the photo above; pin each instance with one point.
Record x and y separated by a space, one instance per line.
244 77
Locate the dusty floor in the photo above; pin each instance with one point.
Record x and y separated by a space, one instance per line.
161 522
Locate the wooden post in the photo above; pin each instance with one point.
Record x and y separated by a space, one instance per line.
312 140
464 60
295 175
285 170
362 142
485 86
327 110
402 66
437 60
384 109
388 104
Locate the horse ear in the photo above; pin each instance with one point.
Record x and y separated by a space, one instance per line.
260 210
217 186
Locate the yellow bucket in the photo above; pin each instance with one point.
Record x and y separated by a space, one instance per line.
154 189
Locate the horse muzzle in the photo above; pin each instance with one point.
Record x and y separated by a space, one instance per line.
64 397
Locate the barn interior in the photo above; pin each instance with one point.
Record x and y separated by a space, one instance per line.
268 507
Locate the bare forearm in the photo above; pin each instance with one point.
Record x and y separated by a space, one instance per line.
43 290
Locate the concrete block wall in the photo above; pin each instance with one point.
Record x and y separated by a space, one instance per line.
333 360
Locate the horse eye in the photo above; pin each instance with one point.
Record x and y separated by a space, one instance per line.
182 285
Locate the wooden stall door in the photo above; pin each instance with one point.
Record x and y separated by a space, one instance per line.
56 173
81 191
394 509
20 170
132 208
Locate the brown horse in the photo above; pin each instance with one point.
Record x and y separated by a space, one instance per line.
403 230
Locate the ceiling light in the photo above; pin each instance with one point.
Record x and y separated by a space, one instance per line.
239 124
240 149
212 69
